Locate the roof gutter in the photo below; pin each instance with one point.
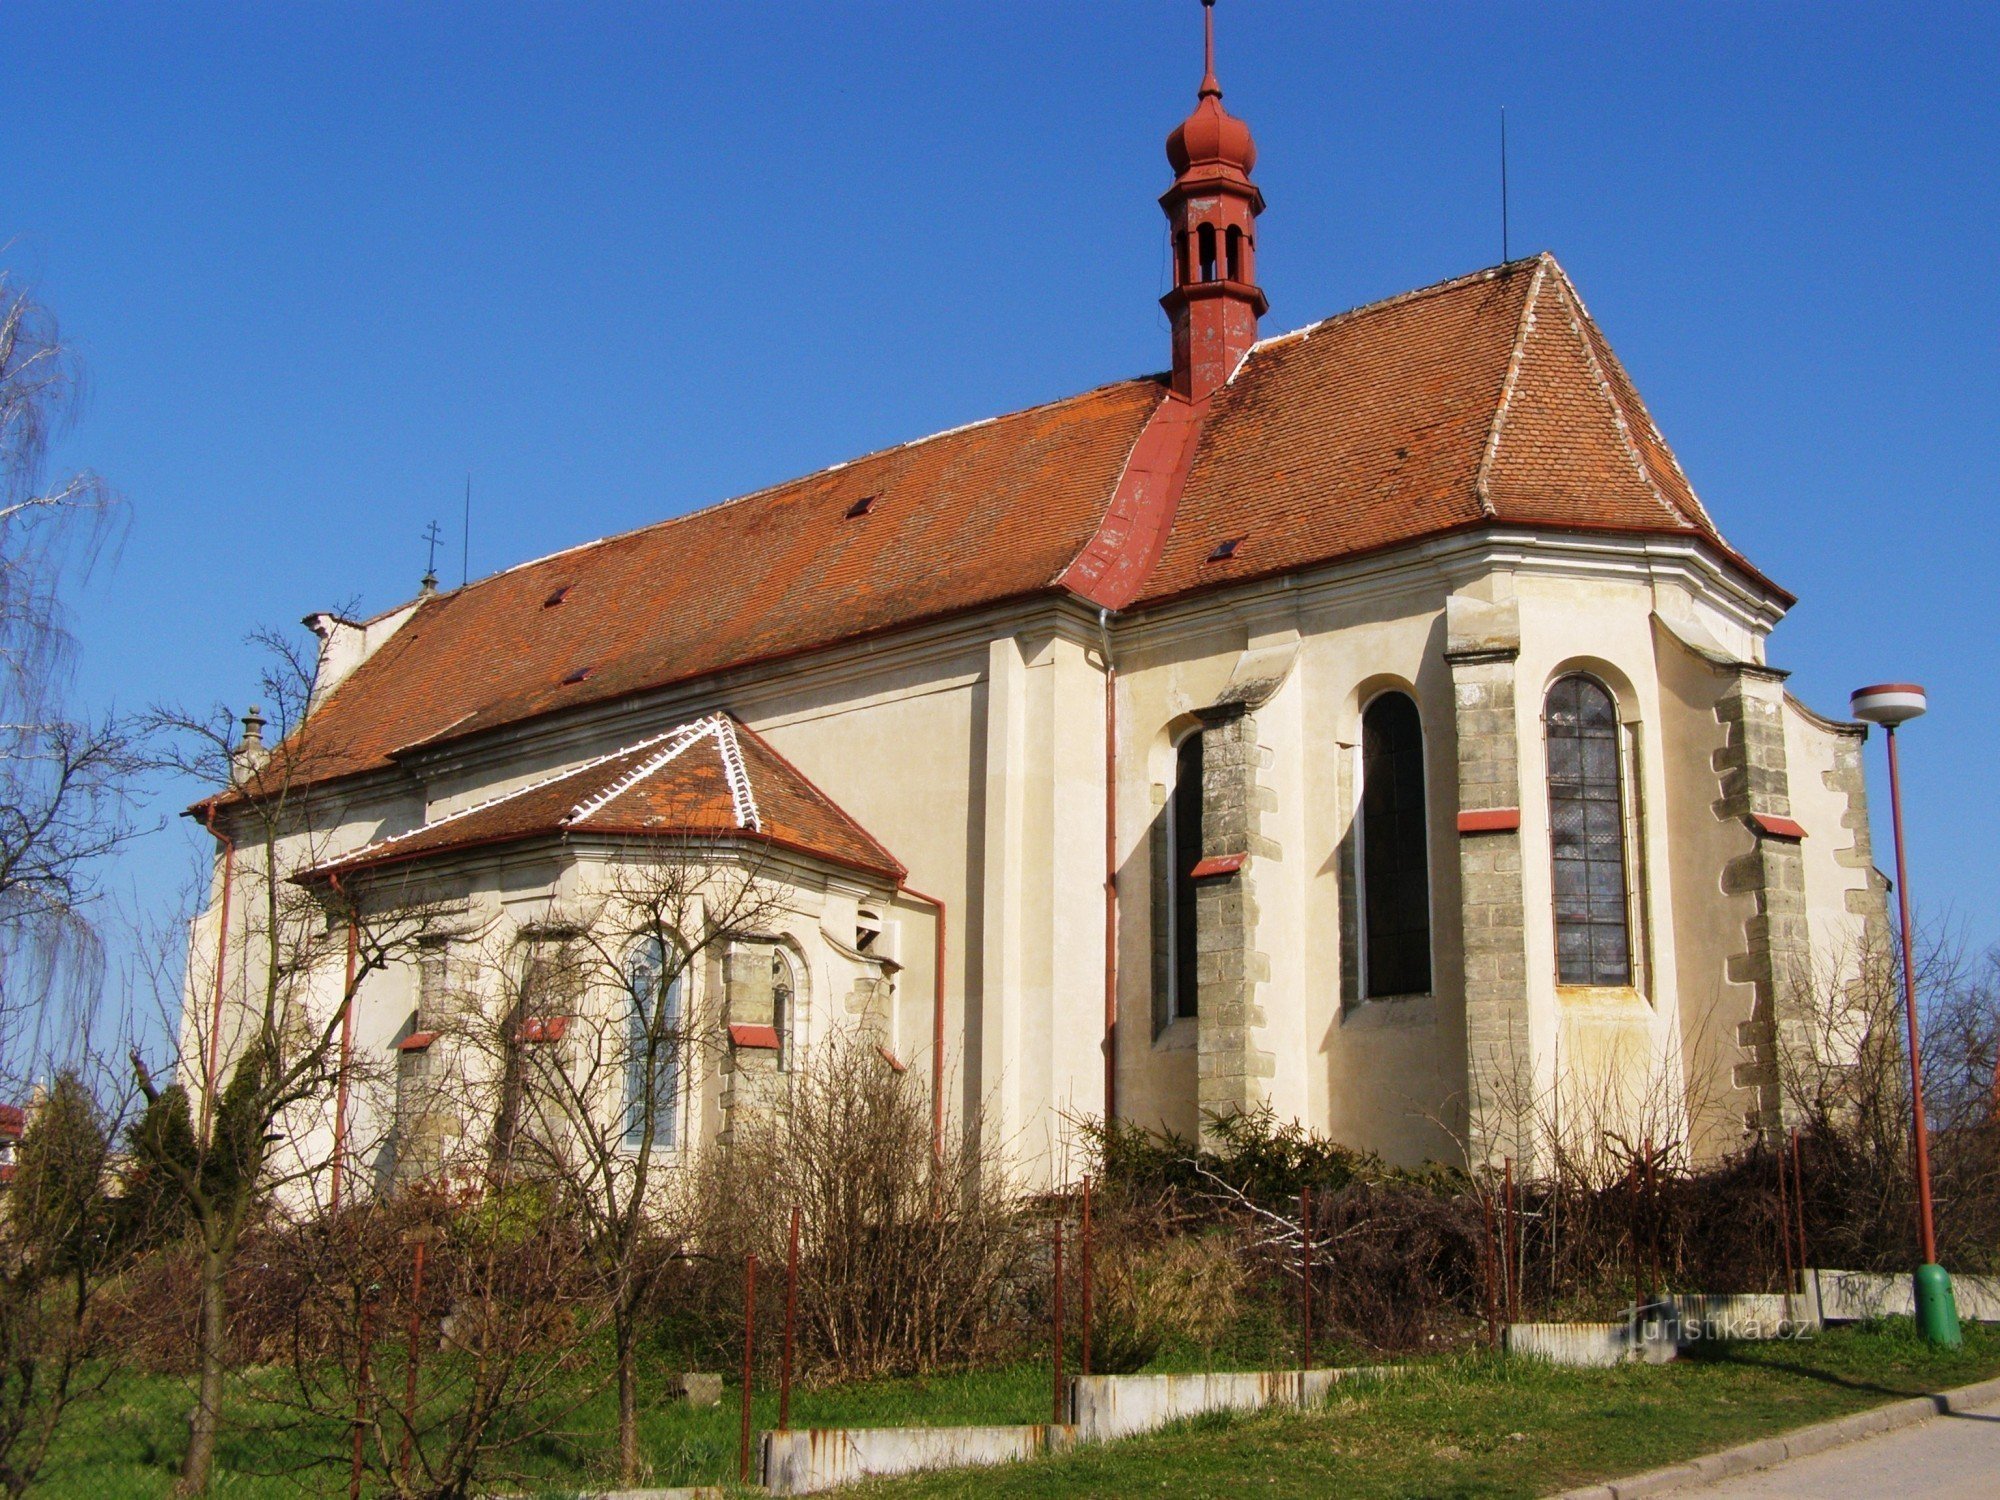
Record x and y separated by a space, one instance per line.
937 1023
1110 869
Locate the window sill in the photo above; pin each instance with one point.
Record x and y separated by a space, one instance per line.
1182 1034
1387 1012
1607 996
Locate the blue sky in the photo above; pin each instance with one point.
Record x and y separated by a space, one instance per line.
619 261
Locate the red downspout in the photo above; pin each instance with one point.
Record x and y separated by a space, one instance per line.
937 1026
1110 872
346 1052
221 960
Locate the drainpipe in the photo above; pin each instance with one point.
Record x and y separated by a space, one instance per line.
346 1051
1110 870
214 1065
937 1026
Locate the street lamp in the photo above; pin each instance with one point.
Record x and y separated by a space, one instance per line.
1890 704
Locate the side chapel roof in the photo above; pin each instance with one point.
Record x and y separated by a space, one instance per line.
710 779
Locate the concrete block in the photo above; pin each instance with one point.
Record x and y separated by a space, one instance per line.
1857 1296
1594 1345
807 1461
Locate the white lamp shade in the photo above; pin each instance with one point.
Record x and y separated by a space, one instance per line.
1888 703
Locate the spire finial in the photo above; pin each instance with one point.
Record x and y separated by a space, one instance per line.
1208 84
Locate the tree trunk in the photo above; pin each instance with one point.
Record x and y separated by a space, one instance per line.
627 1336
203 1425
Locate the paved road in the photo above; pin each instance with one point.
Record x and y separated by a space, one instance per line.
1950 1458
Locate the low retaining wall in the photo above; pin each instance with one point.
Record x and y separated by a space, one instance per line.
1745 1315
807 1460
1857 1296
1651 1341
1114 1406
1103 1407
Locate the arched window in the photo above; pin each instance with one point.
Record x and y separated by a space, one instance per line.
1183 267
1233 241
652 1050
783 1005
1587 835
1395 850
1205 242
1183 854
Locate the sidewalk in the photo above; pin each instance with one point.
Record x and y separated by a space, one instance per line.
1952 1457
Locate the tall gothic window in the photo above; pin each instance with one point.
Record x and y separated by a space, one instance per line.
1587 835
1183 854
652 1050
1395 852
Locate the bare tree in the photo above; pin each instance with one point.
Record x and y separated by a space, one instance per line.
261 1053
65 778
613 1011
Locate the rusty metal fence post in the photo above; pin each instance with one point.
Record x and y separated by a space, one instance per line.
362 1356
749 1353
1083 1364
1056 1332
791 1313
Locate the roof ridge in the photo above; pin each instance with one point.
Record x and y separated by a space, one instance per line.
1436 288
1701 510
689 734
494 801
1516 357
1618 417
741 793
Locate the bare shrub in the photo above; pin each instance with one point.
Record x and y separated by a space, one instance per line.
1152 1292
454 1376
908 1263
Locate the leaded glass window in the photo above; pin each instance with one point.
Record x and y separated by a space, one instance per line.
652 1051
1395 854
1183 854
1587 835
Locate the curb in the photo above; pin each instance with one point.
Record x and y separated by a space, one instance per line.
1762 1454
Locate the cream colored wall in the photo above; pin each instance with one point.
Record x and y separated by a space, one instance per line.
1709 919
1608 1056
1383 1075
1834 887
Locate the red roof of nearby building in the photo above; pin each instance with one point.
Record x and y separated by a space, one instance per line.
1488 400
13 1122
709 779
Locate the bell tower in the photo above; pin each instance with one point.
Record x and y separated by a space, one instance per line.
1212 209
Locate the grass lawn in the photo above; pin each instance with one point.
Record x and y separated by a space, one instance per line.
1469 1426
1487 1426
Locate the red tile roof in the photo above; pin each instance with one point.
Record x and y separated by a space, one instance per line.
1491 399
709 779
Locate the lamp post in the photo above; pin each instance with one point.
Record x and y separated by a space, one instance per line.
1890 704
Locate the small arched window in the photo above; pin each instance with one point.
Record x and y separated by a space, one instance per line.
1587 835
652 1044
1205 242
1234 243
1395 849
1183 267
1183 854
784 991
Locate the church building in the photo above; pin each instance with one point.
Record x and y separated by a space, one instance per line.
1367 723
